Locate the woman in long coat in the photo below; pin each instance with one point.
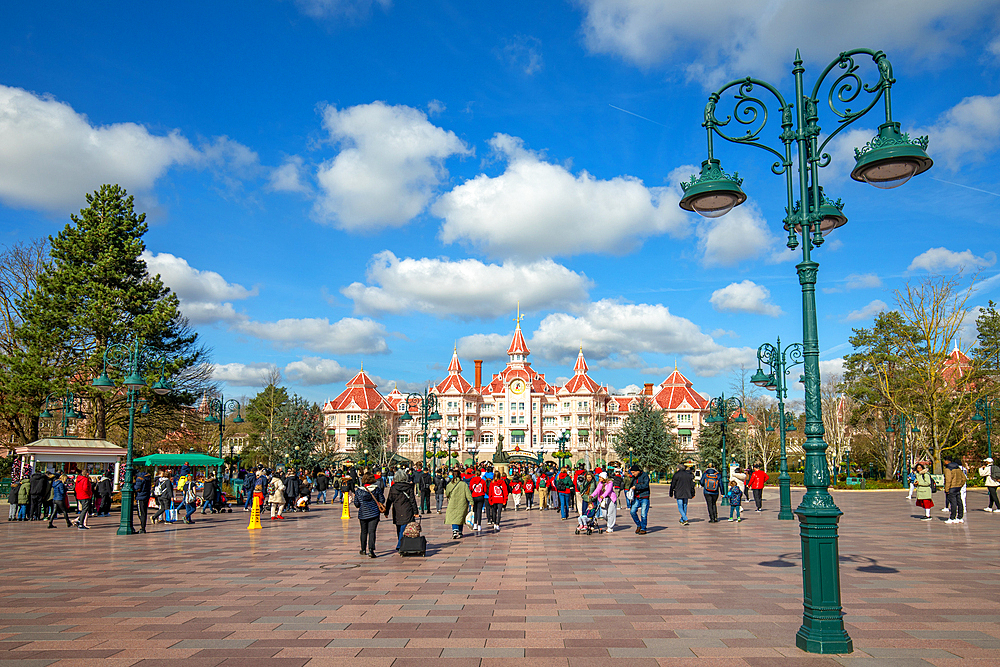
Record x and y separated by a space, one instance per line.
924 490
459 501
403 503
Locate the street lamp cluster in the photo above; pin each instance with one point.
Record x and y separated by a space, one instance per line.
132 361
778 362
887 161
427 411
720 411
218 408
71 407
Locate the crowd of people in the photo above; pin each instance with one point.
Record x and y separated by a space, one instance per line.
44 495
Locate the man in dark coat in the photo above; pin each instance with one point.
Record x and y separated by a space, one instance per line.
682 488
208 494
291 490
425 491
143 487
38 492
104 490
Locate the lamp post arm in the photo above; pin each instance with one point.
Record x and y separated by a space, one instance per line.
849 86
749 111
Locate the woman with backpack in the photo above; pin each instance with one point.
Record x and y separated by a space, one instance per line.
710 484
164 494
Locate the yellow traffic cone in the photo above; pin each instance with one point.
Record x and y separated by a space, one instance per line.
346 512
255 515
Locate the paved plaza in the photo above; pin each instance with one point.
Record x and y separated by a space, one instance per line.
297 592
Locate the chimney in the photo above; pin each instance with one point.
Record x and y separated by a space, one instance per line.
648 389
479 373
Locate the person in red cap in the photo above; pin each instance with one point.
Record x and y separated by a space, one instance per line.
477 485
498 499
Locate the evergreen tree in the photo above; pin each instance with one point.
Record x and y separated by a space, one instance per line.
987 351
300 430
709 446
374 437
265 415
650 435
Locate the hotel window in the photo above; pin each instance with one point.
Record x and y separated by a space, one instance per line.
516 439
685 440
549 439
500 420
403 438
565 419
353 419
486 438
566 405
684 419
469 405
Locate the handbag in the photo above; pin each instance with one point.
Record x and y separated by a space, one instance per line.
412 529
171 513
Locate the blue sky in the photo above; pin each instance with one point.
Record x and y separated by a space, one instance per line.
337 182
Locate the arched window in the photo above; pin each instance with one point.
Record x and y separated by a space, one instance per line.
486 439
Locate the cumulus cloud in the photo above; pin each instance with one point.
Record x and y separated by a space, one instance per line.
391 160
205 296
612 331
539 209
967 132
317 334
830 367
744 297
739 235
937 260
242 375
435 108
50 154
289 177
715 40
856 281
312 371
466 288
523 52
488 347
869 311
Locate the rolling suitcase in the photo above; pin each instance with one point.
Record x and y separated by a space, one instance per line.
413 546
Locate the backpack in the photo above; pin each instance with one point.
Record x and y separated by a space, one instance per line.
162 486
711 482
995 472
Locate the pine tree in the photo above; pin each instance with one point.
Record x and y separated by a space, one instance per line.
95 291
265 415
650 435
374 436
709 446
987 351
300 430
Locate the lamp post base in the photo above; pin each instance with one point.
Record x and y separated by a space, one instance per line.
785 495
822 629
125 526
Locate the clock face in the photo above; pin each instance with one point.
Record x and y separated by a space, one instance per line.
517 386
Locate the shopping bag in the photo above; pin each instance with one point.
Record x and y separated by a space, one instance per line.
152 504
171 513
469 519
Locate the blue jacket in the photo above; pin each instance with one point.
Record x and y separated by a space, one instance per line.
735 496
364 500
641 485
58 491
142 486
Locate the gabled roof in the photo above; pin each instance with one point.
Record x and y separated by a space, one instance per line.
581 382
677 390
361 392
581 363
454 383
956 366
517 344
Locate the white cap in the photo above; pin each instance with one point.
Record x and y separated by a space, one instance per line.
603 475
987 460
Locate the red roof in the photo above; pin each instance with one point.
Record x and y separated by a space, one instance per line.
581 382
517 344
581 363
676 391
956 366
362 393
455 366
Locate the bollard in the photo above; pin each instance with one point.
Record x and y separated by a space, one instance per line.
255 514
346 512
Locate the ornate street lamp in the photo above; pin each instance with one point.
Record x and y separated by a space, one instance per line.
71 407
131 361
218 408
984 415
778 362
887 161
720 411
427 411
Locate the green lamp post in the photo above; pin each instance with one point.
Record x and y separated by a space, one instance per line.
887 161
218 408
68 405
427 411
721 411
131 361
435 439
984 415
899 422
778 362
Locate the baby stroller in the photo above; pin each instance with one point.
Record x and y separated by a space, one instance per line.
223 503
588 521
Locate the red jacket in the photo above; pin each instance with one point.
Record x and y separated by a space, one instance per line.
529 485
758 479
82 487
516 487
498 492
477 485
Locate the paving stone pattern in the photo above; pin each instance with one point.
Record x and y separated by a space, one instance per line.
297 592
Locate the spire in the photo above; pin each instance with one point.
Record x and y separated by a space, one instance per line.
517 344
581 364
455 366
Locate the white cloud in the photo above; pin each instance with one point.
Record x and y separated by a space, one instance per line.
739 235
50 155
523 53
205 296
488 347
967 132
715 40
539 209
744 297
937 260
390 163
435 108
856 281
628 389
611 331
349 9
289 177
872 309
466 288
346 336
831 367
242 375
312 371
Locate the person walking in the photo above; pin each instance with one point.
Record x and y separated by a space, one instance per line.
735 501
922 480
208 494
586 484
322 484
543 491
529 492
403 503
276 497
639 508
954 480
190 498
619 485
440 480
517 491
682 489
24 499
84 492
460 499
606 497
291 482
498 500
164 494
711 487
38 491
104 490
426 479
564 491
12 501
369 500
477 487
758 478
911 477
143 489
740 477
991 473
59 501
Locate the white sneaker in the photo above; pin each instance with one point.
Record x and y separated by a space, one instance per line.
987 509
950 521
610 530
959 520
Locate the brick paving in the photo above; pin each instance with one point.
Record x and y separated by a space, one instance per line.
297 592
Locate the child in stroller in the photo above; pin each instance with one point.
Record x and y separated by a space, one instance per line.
588 520
305 491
